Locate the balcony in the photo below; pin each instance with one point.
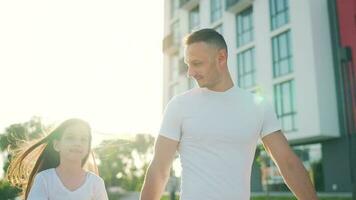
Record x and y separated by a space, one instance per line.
235 6
170 44
188 4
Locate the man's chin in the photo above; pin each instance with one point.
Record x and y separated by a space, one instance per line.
201 85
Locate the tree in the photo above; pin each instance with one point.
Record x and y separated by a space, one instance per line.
18 132
123 163
7 191
12 138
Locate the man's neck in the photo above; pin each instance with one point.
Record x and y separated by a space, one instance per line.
224 85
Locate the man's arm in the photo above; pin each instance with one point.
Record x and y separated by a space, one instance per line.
158 171
289 165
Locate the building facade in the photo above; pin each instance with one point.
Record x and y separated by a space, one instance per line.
282 50
343 32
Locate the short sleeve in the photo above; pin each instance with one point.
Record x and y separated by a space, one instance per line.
38 190
172 120
270 122
100 192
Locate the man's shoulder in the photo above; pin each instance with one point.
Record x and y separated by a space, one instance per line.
247 95
186 95
253 99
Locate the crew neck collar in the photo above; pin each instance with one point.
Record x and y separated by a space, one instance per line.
213 92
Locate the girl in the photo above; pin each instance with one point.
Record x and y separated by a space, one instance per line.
54 167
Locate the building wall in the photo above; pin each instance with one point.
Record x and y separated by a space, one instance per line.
339 165
312 60
313 74
347 30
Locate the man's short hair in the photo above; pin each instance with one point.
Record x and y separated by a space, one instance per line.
207 35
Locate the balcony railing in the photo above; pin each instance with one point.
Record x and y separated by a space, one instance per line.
170 44
236 6
188 4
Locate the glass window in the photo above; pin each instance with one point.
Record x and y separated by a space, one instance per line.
279 12
285 105
246 76
215 10
219 29
282 54
174 8
244 27
194 18
175 32
174 68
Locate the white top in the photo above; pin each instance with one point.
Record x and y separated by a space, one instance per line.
217 133
48 186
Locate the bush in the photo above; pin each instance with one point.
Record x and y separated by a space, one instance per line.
7 192
282 198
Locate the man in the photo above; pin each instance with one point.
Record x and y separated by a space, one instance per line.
215 129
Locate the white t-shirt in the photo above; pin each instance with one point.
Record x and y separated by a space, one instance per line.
48 186
218 134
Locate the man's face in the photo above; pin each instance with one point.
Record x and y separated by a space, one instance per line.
203 64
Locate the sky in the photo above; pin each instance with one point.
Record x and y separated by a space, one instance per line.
96 60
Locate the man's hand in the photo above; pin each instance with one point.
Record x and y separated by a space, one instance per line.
158 171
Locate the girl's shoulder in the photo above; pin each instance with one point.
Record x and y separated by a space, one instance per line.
94 177
45 177
46 172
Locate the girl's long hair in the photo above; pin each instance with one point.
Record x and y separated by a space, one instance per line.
32 158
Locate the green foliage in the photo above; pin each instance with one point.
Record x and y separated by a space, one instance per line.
293 198
123 163
16 133
281 198
13 136
7 191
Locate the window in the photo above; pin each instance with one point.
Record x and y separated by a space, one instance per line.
244 27
174 68
175 32
194 18
279 11
219 29
215 10
174 8
282 54
285 104
246 68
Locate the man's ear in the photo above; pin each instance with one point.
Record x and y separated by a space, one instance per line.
222 58
55 145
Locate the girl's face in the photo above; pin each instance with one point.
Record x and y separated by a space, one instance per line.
74 143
